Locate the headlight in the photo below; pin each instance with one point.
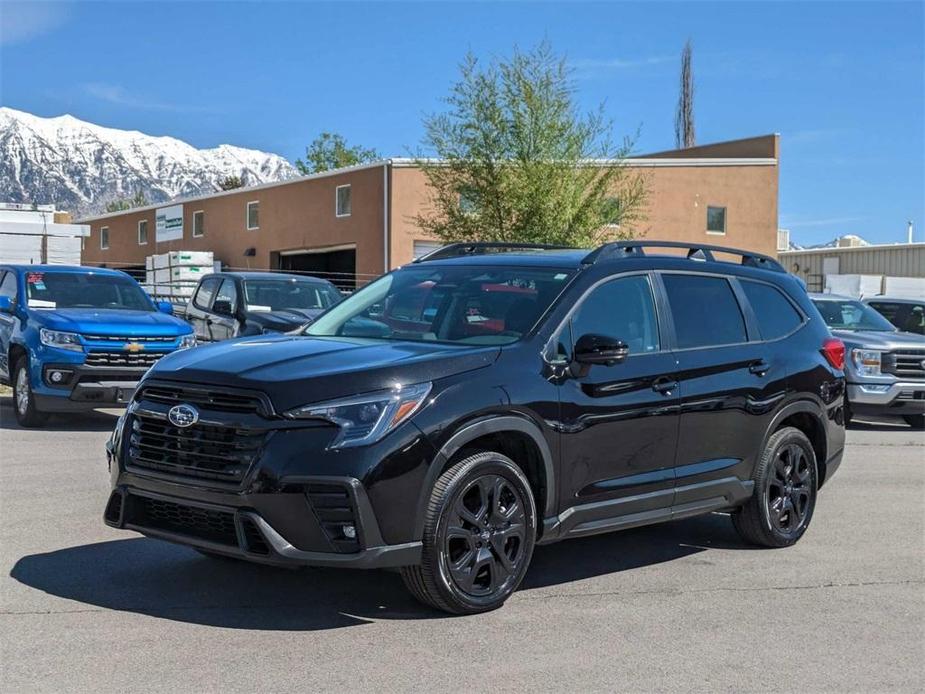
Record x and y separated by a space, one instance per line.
866 361
56 338
187 341
364 419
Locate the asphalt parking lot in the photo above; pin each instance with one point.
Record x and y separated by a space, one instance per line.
678 607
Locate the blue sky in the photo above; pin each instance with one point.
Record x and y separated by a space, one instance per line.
841 82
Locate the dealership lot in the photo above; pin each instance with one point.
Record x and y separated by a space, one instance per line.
674 607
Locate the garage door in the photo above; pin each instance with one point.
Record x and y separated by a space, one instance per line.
425 247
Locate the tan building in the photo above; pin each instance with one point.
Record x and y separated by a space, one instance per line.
358 222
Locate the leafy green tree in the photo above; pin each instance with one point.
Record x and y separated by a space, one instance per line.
121 204
231 182
516 161
331 151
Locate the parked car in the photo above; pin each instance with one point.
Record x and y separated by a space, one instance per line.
455 412
907 315
885 367
75 338
234 304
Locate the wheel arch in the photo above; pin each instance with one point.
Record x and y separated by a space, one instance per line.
517 437
808 418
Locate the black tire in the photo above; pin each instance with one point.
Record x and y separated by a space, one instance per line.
916 421
27 414
786 481
479 532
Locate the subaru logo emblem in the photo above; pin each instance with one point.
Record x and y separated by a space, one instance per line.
183 416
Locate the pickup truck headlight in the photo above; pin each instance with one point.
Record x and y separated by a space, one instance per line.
61 340
364 419
187 341
866 361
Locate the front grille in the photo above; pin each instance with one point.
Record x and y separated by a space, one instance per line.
908 363
130 359
911 395
209 399
193 521
128 338
206 451
334 508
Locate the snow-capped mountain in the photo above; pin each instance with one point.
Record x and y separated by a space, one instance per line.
80 167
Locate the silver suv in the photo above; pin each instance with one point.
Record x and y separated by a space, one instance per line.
884 367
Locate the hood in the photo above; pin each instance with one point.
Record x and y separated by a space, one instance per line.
110 322
283 320
883 341
295 370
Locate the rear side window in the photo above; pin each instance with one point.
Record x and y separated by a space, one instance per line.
206 291
775 314
705 311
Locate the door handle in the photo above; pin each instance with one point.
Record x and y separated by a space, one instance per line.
759 368
664 385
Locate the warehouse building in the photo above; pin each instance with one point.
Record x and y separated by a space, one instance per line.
353 224
813 265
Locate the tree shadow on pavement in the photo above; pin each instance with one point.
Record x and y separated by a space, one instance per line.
156 578
92 420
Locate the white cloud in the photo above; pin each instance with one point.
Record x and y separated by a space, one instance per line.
23 21
593 66
119 96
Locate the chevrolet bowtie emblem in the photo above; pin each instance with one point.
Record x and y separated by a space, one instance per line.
133 346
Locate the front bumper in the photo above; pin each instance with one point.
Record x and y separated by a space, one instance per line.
86 387
899 398
245 534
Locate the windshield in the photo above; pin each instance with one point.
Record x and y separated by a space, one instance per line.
282 294
461 304
85 290
852 315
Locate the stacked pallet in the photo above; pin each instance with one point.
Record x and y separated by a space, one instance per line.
173 276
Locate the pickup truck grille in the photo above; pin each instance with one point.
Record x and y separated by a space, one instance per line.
908 363
212 452
130 359
130 338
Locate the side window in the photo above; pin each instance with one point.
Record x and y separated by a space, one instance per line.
888 311
623 309
775 314
206 291
8 286
228 293
705 311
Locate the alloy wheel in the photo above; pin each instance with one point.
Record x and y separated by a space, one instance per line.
790 489
22 391
485 537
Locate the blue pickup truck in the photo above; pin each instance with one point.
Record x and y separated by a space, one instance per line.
75 338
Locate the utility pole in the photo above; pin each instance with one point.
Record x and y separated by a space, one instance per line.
684 116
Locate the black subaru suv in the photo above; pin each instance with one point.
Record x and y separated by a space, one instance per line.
454 413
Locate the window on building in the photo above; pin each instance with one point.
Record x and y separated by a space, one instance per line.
705 311
253 215
199 223
468 202
104 238
716 220
143 232
622 309
775 314
342 195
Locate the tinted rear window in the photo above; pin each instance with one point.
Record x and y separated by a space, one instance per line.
776 315
705 311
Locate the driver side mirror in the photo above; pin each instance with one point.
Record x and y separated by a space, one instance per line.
165 307
222 308
6 304
600 349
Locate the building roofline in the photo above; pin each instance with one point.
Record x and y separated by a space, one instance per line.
407 162
845 249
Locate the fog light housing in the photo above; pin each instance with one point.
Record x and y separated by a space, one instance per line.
58 377
350 532
875 388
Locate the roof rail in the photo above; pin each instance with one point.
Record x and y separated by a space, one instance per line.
696 251
456 250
